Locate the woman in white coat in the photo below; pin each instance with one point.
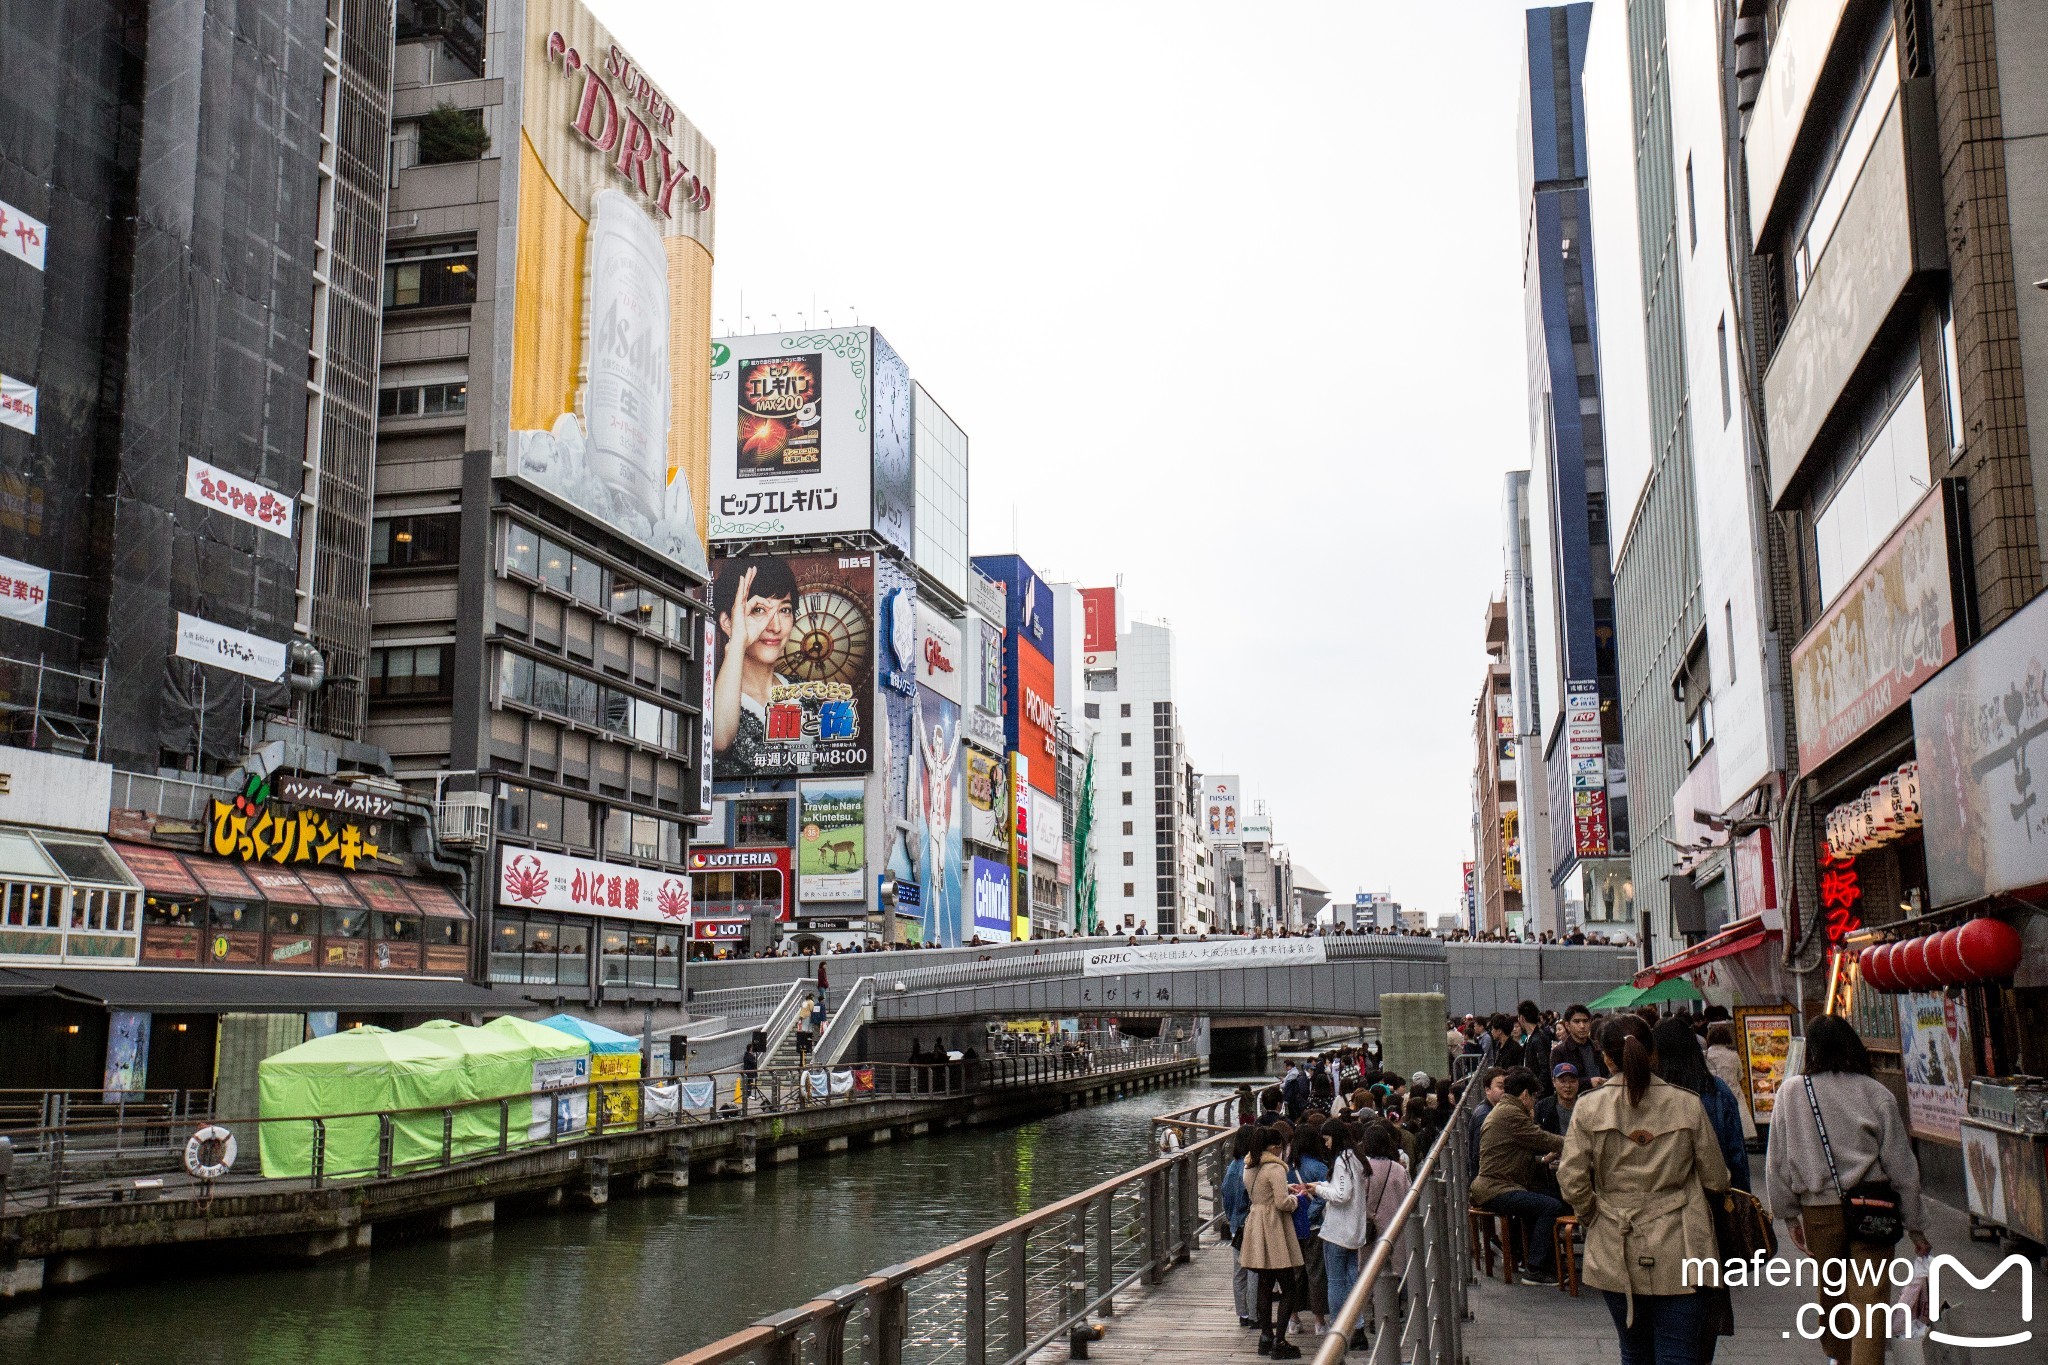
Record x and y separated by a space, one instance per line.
1367 1183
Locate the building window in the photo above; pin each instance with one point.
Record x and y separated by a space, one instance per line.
1127 798
1128 827
1694 690
438 275
414 672
1728 619
1092 710
1125 710
544 687
1130 890
1692 208
1127 770
1721 350
649 838
1951 377
424 400
761 824
417 541
1130 858
1127 739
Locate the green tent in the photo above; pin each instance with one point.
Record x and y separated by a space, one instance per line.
494 1064
361 1071
561 1061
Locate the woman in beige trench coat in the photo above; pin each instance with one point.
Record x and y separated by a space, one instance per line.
1270 1247
1637 1164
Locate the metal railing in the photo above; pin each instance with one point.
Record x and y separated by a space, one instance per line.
845 1023
27 1109
56 1163
1007 1293
1424 1248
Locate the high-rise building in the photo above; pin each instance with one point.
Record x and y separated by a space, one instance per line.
541 645
1497 820
1578 692
1147 796
1532 797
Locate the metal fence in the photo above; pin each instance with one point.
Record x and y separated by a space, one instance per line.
1004 1294
1413 1283
102 1161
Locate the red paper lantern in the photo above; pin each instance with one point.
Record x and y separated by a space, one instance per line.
1989 948
1914 972
1946 958
1882 963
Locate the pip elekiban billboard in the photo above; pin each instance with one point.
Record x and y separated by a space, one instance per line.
610 317
793 691
793 419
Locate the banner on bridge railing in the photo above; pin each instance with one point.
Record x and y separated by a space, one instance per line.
1184 957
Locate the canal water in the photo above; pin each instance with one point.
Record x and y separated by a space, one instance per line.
635 1283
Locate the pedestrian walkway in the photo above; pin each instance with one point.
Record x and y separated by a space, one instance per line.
1189 1317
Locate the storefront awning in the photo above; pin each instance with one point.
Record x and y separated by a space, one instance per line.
1739 937
172 991
433 899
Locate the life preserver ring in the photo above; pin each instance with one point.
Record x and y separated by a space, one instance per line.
210 1152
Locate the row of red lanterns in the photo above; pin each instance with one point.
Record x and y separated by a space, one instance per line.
1981 950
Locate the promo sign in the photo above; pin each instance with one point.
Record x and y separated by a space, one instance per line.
1890 630
22 237
1220 807
1181 957
991 897
238 497
832 841
988 794
17 404
540 880
24 592
1098 629
1020 846
1035 718
311 791
247 829
252 656
940 667
792 433
1046 824
611 286
796 698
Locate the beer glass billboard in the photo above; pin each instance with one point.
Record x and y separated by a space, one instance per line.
793 688
609 316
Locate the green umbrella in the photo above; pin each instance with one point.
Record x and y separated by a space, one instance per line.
1675 988
1620 998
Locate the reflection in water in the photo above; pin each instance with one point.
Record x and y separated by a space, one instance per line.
639 1281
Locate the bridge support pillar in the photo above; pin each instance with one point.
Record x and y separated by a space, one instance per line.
743 1161
675 1167
837 1144
465 1217
782 1156
596 1189
919 1129
880 1136
21 1279
351 1241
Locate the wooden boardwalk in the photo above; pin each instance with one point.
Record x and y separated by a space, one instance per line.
1187 1318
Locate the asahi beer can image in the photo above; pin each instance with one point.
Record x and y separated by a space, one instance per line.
626 407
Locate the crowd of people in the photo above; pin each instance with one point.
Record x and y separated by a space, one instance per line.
1635 1123
1192 932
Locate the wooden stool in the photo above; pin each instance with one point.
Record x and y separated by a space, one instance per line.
1565 1237
1476 1220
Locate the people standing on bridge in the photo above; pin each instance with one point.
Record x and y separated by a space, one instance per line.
750 1071
1834 1129
1270 1247
1638 1164
1576 1047
1294 1092
1237 1203
1364 1176
806 1026
1515 1157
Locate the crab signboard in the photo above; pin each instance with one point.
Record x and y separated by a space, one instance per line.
533 879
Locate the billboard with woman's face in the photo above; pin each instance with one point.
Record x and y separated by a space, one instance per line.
793 691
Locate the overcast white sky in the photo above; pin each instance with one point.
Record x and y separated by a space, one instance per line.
1228 299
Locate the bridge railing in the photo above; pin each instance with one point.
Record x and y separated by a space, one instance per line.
1004 1294
1411 1294
104 1161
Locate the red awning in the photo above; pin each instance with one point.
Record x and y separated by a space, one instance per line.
220 878
331 887
1738 937
280 887
158 869
382 893
433 899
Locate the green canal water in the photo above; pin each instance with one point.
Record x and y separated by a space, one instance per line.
636 1283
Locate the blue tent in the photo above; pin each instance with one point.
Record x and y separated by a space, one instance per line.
600 1038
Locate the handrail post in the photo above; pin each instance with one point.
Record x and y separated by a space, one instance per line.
1105 1252
505 1125
975 1340
1020 1293
1077 1284
887 1323
448 1137
1190 1211
384 1144
1155 1227
319 1152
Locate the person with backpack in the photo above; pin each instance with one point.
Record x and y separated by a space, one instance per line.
1270 1247
1842 1175
1237 1203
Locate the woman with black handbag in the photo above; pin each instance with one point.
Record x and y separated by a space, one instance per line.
1842 1175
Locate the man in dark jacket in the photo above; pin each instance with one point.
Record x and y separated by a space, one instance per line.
1294 1092
1577 1047
1537 1041
1554 1112
1515 1157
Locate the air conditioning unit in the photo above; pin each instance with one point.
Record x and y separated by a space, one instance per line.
463 819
